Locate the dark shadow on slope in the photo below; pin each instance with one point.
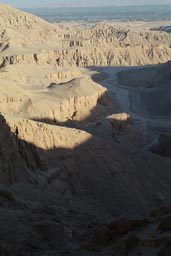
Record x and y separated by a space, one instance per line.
148 85
124 71
72 188
28 161
104 105
145 95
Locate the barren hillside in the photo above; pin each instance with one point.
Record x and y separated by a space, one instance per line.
28 39
76 173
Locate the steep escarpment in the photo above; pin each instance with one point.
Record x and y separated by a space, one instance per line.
60 109
73 156
96 56
24 30
122 35
25 143
75 100
52 169
38 151
16 169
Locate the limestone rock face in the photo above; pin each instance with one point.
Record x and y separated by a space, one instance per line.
96 56
102 45
25 143
73 100
71 159
22 30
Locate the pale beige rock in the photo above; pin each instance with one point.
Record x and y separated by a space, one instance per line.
83 176
103 45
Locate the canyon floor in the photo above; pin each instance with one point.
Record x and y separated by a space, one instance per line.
85 137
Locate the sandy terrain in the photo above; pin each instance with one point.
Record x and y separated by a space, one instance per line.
80 111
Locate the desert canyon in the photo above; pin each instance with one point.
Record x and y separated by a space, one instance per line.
85 138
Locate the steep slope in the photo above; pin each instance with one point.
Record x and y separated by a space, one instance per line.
94 164
70 160
75 100
22 31
62 182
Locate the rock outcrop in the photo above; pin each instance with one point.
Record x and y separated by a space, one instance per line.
75 100
93 56
102 45
70 167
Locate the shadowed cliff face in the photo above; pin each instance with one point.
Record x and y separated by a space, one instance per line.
69 186
70 165
18 158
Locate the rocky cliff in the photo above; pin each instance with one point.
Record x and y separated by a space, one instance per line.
28 39
71 163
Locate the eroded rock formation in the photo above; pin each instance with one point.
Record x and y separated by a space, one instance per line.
71 162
